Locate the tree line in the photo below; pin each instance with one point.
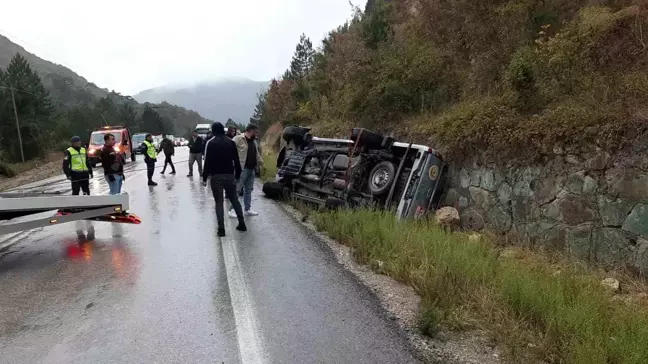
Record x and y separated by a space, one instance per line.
45 124
508 77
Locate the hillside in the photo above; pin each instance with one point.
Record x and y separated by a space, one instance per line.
217 100
65 86
54 103
507 78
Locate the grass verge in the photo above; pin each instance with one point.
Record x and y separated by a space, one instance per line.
537 308
270 167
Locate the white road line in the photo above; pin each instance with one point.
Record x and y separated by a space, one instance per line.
249 342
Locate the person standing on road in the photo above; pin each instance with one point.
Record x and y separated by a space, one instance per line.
77 167
195 153
113 165
250 158
150 157
231 132
223 167
169 150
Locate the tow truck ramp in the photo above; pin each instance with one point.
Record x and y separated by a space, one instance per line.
108 208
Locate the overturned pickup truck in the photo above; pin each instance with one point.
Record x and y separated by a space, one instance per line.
367 170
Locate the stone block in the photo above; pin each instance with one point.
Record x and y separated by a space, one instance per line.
504 194
464 178
499 219
546 190
637 221
575 181
641 256
590 186
555 237
471 219
481 199
612 247
579 241
475 177
522 188
576 210
551 211
487 178
524 209
627 184
598 162
613 211
451 197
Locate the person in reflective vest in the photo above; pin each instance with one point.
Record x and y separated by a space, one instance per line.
77 167
150 157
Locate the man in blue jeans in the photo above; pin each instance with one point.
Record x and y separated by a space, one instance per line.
113 165
250 159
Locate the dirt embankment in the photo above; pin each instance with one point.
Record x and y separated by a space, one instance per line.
31 171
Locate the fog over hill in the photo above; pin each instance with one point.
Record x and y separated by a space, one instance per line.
216 100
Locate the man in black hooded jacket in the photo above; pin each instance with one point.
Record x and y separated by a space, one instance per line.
223 167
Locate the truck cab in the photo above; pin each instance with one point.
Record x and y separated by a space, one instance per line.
123 143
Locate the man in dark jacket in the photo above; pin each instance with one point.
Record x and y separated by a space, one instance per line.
77 167
150 157
169 150
195 153
113 165
223 166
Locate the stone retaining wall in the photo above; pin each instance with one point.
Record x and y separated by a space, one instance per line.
588 203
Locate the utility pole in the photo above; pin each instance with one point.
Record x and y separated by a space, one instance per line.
13 100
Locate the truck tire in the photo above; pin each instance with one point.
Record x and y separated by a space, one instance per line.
295 133
273 190
367 138
381 178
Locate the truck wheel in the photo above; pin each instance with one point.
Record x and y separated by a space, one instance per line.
367 138
273 190
381 178
296 134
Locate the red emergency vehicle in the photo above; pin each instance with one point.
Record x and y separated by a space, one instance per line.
123 143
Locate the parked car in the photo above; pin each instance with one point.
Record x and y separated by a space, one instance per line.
366 170
138 139
123 143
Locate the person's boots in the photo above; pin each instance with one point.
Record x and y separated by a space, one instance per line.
241 225
221 232
151 183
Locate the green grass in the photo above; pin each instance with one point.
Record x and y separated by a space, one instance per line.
270 164
537 308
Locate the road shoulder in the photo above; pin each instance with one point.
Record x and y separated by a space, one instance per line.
401 304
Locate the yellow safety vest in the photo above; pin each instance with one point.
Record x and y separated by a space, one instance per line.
150 150
78 159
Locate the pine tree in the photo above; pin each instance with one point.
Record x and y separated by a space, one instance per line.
33 107
302 61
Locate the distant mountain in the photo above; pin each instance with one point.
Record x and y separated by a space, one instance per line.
81 105
215 100
65 86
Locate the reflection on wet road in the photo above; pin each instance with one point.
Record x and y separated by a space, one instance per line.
169 291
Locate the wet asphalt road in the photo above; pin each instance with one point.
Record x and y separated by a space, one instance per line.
170 291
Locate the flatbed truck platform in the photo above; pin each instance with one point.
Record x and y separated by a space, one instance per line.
107 208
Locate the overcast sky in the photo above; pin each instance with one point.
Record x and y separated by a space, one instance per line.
132 45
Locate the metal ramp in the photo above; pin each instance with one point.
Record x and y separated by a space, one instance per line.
108 208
